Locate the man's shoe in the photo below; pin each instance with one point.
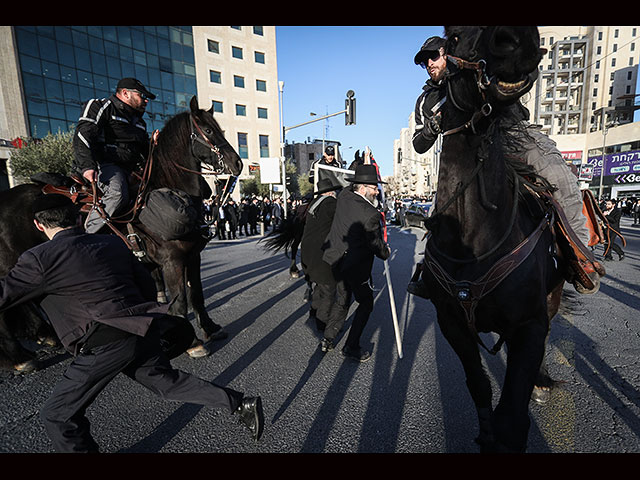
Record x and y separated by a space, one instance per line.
356 354
418 288
251 414
326 345
608 259
621 257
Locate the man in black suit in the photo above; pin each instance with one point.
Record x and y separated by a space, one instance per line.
355 239
101 303
330 310
613 214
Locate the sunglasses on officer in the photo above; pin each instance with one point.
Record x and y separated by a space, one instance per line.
142 95
433 56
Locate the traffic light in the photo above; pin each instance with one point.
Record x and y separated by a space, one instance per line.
350 109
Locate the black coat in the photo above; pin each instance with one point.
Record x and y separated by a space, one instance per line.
109 131
84 278
316 228
355 238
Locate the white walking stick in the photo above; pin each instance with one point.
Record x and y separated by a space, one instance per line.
393 308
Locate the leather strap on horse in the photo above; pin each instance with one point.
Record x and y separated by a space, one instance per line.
469 293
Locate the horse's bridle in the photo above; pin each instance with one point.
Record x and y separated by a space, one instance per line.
198 136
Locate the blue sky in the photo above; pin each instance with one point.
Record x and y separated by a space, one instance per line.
320 64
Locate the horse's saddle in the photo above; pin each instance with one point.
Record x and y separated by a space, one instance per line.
88 198
583 269
76 188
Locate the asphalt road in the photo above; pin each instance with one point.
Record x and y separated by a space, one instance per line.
318 403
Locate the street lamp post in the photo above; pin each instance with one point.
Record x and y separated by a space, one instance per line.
602 166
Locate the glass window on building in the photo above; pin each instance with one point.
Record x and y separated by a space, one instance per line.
236 52
258 30
238 81
213 46
259 57
261 85
262 112
215 77
264 146
243 148
217 106
241 110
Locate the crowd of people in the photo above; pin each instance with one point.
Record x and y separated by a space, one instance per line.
251 216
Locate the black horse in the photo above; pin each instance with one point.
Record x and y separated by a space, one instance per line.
188 140
489 257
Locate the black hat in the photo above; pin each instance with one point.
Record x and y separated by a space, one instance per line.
329 150
326 185
49 202
366 173
134 84
432 44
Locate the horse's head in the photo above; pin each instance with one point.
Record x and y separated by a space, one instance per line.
491 67
208 143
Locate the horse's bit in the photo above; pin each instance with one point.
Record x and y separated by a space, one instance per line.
197 135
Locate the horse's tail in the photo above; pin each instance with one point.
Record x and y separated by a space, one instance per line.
285 236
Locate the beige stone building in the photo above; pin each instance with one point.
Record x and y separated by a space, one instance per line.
236 72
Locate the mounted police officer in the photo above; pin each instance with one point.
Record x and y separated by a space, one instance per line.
432 58
527 143
110 142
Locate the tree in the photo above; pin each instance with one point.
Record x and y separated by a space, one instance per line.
53 153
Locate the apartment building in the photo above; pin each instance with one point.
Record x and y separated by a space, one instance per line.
587 71
414 174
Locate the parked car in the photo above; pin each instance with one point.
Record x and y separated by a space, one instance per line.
416 214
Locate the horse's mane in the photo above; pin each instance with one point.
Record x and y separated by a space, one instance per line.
173 140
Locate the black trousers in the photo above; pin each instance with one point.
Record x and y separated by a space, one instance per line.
331 305
349 287
141 359
613 246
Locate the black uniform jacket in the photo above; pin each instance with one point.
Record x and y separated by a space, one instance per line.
84 278
109 131
316 228
355 237
428 104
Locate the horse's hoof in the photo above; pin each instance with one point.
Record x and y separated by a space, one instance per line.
29 366
198 351
294 274
541 395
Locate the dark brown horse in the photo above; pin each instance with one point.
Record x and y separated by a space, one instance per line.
488 256
187 141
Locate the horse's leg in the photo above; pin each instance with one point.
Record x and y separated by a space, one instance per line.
544 383
212 330
13 356
478 384
293 269
156 274
525 352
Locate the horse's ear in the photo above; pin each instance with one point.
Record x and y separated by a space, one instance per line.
357 155
194 104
